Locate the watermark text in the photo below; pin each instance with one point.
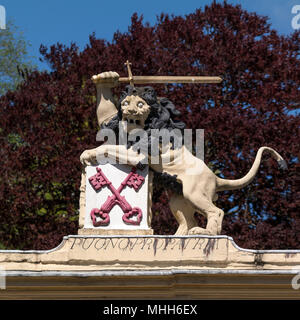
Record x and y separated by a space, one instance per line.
296 19
296 279
155 146
2 18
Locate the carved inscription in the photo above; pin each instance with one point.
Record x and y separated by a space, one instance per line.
151 244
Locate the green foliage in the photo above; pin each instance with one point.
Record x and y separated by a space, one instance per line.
15 140
2 246
13 57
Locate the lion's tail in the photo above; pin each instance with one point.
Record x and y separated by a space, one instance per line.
224 184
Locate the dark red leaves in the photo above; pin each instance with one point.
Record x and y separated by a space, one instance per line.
50 120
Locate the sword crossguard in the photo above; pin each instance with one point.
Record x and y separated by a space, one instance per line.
130 76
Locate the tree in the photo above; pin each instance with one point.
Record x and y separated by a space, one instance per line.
13 58
54 115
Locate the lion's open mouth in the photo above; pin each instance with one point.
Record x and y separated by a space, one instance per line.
133 121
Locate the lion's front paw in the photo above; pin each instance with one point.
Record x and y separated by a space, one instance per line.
88 157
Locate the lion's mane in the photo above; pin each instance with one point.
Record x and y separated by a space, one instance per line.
162 113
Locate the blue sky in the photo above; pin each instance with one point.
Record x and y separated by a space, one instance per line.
51 21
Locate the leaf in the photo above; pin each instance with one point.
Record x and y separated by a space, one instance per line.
48 196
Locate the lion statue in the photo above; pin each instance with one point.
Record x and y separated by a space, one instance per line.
192 186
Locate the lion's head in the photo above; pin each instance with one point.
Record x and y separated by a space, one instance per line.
134 109
142 109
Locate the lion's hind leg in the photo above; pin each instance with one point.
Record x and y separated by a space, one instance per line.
183 212
214 217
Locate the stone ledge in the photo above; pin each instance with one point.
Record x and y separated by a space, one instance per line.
136 252
147 267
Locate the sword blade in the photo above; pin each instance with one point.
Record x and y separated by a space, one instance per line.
171 79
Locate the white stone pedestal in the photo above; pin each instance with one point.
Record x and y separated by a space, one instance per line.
93 196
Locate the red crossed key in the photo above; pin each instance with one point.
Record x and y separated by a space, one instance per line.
98 181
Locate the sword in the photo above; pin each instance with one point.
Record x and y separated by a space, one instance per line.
161 79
